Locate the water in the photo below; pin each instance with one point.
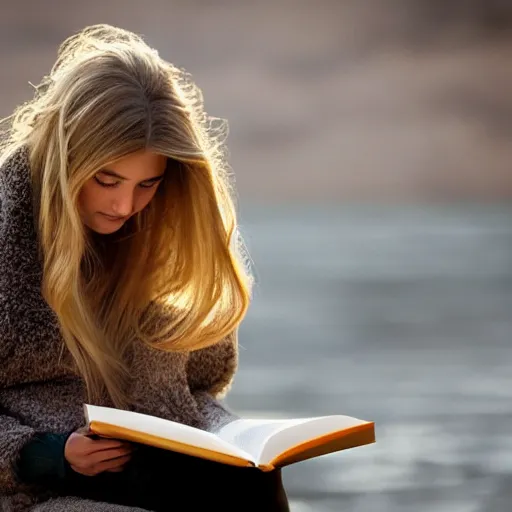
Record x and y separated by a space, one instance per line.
398 315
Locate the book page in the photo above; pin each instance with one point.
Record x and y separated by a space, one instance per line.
139 427
251 435
292 436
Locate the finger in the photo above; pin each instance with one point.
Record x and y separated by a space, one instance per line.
89 469
96 445
112 464
82 471
83 431
106 455
116 470
108 441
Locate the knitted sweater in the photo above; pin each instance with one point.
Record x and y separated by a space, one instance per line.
37 394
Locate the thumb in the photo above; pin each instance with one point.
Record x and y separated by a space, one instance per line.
84 431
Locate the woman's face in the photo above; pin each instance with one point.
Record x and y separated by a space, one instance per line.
121 190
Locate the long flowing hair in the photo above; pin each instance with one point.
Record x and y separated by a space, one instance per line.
176 276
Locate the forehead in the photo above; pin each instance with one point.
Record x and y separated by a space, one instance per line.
139 166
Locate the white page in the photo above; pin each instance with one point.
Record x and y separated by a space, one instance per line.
312 428
162 428
251 435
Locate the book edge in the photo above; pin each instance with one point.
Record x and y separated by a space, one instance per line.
298 449
116 432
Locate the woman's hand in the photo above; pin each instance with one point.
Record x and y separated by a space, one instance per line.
90 457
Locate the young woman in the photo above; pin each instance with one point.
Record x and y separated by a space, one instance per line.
123 282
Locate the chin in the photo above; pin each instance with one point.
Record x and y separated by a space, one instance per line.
105 230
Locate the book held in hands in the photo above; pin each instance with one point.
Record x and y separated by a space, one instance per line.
261 443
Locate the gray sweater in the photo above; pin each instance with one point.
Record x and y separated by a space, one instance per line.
38 394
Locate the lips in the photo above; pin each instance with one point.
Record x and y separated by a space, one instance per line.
112 217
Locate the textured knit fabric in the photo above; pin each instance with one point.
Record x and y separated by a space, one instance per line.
38 394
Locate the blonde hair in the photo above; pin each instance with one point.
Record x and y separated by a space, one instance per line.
176 275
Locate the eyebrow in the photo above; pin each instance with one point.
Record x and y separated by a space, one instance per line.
113 174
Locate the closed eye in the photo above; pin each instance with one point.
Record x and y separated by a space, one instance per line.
150 184
105 184
145 184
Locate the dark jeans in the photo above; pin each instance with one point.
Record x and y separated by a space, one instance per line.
159 481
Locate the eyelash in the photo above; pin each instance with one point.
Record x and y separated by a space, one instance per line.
111 185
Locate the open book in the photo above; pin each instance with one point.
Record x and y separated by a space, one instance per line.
261 443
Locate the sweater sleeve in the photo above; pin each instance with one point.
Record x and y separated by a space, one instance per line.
42 458
210 373
13 436
28 349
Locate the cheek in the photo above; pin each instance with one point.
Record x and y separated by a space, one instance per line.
144 199
89 199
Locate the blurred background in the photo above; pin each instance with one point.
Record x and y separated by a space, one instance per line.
371 146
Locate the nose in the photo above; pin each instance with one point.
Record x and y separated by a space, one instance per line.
123 204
